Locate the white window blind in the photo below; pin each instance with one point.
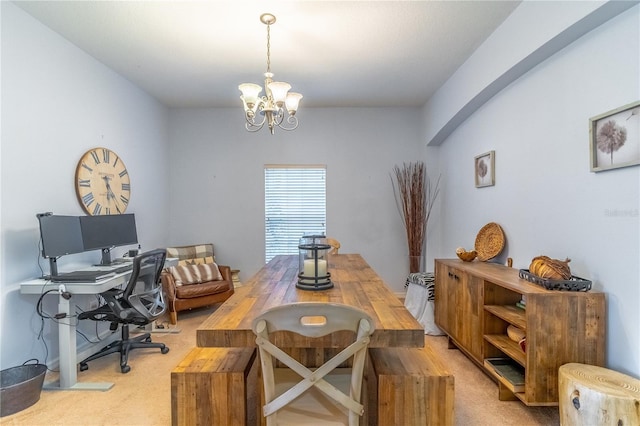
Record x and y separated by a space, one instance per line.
294 205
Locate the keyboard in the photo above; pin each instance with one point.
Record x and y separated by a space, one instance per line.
81 276
125 268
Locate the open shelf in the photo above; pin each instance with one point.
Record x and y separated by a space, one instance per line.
511 314
507 372
508 347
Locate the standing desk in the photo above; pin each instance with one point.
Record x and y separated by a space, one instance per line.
67 325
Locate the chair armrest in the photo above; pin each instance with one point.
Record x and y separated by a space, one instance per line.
168 285
225 271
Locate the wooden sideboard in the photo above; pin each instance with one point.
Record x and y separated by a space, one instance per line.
475 302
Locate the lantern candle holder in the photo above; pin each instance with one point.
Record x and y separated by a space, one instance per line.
314 264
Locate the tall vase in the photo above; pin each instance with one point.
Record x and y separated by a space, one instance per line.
415 263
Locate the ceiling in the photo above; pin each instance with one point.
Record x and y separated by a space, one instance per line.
336 53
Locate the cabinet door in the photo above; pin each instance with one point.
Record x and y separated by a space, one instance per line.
458 308
470 309
445 300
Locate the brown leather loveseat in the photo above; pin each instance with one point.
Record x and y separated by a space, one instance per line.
197 281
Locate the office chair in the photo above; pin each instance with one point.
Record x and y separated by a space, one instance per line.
327 393
139 303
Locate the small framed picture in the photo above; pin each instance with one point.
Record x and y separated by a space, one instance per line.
485 169
614 138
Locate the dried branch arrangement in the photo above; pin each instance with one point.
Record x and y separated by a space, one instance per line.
415 197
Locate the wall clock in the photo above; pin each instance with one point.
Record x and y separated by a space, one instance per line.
102 182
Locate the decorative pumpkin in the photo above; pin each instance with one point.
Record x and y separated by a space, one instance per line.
516 334
466 256
553 269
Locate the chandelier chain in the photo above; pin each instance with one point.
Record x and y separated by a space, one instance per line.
268 48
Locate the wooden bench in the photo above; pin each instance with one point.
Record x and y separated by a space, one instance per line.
408 386
215 386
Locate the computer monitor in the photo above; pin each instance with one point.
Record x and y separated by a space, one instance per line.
60 235
106 232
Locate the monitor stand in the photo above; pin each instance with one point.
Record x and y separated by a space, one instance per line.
106 257
53 266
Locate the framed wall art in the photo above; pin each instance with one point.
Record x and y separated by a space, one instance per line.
485 169
614 138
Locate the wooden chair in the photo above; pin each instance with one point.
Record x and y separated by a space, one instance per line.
327 393
335 245
204 293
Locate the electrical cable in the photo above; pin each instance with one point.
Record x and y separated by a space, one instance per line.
44 316
39 309
38 256
96 323
87 339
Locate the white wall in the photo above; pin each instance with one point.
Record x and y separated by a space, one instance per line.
217 180
58 102
532 33
545 197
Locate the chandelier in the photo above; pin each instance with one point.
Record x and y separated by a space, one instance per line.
278 98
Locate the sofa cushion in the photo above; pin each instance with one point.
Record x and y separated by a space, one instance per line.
195 274
204 289
209 272
191 252
196 261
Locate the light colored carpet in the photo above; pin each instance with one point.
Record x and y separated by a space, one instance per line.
143 396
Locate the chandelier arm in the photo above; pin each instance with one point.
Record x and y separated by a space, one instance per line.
251 125
293 120
278 117
252 129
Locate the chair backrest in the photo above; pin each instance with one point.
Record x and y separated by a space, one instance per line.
144 289
313 319
335 245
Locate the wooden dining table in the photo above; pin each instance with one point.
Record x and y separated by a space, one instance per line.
406 380
355 283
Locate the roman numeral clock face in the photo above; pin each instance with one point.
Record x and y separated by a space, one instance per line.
102 182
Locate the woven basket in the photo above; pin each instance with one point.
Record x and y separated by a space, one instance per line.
489 242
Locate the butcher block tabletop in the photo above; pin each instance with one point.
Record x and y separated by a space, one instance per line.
355 284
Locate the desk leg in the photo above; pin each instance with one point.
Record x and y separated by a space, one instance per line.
67 350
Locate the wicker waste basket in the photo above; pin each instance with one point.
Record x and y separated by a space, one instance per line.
20 387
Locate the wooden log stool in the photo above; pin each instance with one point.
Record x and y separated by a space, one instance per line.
215 386
591 395
408 386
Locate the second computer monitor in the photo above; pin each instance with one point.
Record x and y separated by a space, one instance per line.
108 231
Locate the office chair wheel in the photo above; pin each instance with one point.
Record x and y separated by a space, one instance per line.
164 350
84 366
125 369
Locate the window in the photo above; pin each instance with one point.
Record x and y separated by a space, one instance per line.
294 205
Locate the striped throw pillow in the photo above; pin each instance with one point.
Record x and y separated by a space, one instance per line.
195 274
